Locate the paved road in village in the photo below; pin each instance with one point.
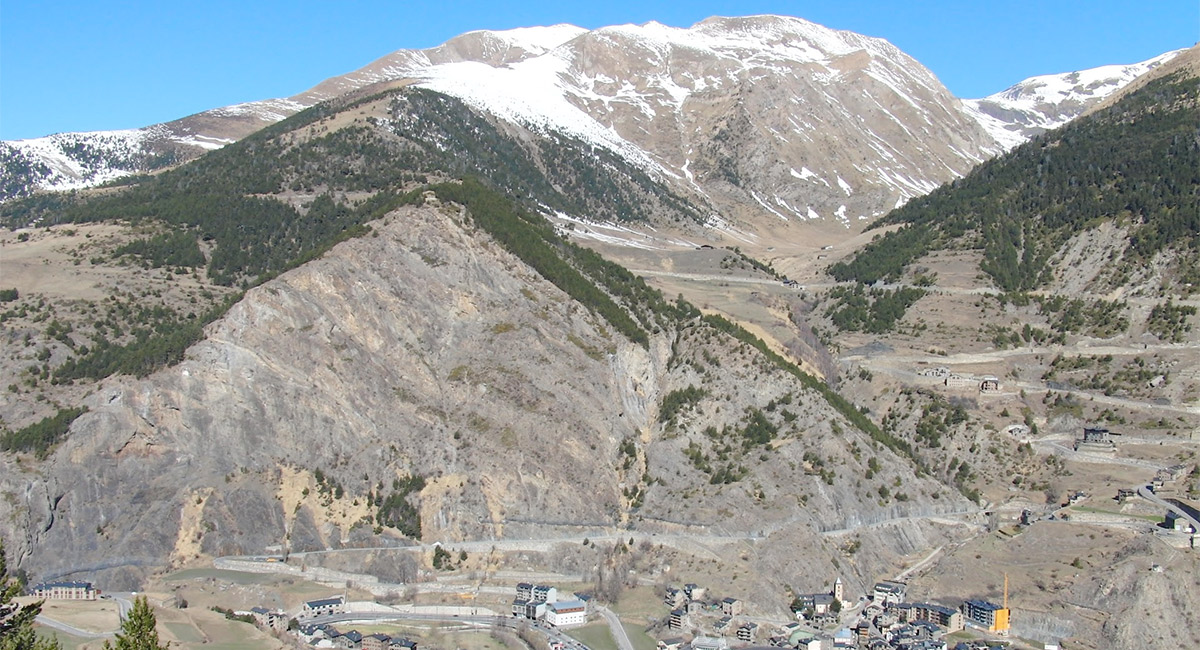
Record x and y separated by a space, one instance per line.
1146 494
70 629
551 633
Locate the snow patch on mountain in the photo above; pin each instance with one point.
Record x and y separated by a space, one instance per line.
268 110
526 93
608 232
78 160
845 187
806 174
758 199
206 142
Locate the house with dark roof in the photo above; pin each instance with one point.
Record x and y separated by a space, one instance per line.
813 605
731 606
543 594
380 641
674 598
568 613
323 607
351 640
675 622
269 619
889 591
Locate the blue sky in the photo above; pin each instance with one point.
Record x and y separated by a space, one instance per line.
86 65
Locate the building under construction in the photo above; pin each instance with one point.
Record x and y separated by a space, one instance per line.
988 615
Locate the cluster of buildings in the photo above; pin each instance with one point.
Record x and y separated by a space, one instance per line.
955 381
818 608
888 621
541 603
327 636
324 635
691 600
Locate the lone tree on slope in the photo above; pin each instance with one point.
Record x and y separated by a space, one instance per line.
138 630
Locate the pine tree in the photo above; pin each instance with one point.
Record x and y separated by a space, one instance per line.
138 629
16 621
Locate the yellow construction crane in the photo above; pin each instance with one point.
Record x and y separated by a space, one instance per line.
1001 624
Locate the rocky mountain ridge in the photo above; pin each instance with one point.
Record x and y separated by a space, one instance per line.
771 120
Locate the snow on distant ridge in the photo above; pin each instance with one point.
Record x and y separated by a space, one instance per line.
68 172
536 39
1046 102
1095 82
269 110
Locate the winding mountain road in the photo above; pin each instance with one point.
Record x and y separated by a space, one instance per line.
70 629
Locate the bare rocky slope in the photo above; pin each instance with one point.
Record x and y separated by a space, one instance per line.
426 350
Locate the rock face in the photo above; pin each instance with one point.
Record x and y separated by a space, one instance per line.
424 349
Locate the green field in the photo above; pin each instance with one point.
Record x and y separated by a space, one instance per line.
68 642
185 632
638 637
595 636
232 635
640 604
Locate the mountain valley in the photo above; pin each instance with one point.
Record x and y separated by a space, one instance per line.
411 309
